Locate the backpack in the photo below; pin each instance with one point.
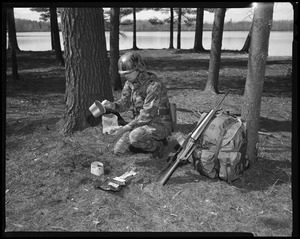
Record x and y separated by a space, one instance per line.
221 150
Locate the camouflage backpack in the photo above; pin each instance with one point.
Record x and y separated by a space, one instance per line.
221 151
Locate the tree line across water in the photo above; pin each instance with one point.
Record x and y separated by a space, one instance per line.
23 25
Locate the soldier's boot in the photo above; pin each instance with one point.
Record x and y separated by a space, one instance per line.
122 146
159 151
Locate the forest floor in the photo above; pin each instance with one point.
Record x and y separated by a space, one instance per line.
48 181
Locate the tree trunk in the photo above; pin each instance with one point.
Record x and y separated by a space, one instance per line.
52 35
114 48
198 45
4 51
51 29
262 22
56 38
247 42
179 30
215 52
15 74
171 28
12 35
87 70
134 30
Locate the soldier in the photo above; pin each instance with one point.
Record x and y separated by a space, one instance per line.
146 94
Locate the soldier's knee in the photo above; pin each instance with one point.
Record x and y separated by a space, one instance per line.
137 135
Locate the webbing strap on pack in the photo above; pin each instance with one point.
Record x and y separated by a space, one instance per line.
218 145
228 170
217 149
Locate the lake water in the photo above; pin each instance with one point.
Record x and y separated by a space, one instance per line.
280 43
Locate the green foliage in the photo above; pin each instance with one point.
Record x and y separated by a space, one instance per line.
144 25
156 21
188 16
23 25
127 22
211 10
282 25
127 11
237 26
44 13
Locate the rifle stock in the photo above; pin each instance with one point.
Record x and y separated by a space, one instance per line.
189 145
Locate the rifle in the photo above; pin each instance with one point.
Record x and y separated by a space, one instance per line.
188 146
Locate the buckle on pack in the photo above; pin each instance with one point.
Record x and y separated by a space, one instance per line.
163 111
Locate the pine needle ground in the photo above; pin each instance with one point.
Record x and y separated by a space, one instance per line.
49 186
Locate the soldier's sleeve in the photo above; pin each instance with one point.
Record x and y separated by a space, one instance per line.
124 102
150 106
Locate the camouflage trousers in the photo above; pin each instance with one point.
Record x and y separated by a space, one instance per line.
145 137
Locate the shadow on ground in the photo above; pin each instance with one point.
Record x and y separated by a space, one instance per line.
25 127
32 83
260 177
42 74
38 59
265 124
271 125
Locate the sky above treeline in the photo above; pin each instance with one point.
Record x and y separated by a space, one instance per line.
282 11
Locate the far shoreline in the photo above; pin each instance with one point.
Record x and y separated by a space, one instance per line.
173 31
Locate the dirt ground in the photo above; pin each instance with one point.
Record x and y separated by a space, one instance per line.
49 185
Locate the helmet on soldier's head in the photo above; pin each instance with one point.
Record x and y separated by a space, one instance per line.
129 62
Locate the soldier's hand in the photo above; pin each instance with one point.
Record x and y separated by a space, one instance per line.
121 130
108 105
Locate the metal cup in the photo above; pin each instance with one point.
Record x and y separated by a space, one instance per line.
97 109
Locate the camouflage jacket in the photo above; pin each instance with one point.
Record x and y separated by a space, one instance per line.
145 97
